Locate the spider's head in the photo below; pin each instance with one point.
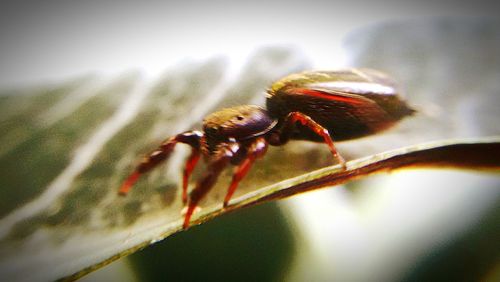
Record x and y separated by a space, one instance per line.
235 124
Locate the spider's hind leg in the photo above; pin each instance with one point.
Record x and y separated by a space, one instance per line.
289 125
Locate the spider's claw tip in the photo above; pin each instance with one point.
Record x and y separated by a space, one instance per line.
342 162
129 182
123 191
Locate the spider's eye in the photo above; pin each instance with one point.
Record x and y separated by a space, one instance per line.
240 118
211 130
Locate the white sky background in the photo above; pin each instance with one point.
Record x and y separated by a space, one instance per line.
52 40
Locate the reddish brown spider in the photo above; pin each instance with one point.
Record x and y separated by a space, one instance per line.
310 106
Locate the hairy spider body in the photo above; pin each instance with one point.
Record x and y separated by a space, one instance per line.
314 106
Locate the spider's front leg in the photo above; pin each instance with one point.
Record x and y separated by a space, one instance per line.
293 118
255 150
215 166
191 138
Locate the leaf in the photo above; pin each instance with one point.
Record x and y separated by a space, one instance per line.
476 154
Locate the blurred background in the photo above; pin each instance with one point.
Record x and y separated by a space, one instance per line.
61 39
413 225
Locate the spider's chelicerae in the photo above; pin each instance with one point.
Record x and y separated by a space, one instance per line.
314 106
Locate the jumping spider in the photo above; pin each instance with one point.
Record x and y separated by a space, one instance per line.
314 106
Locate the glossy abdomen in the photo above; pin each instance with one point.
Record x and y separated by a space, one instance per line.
349 103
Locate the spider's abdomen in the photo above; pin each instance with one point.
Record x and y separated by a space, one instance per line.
349 103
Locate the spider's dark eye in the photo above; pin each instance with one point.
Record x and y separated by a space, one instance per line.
239 117
211 130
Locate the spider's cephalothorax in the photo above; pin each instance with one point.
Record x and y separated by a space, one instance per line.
315 106
238 124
